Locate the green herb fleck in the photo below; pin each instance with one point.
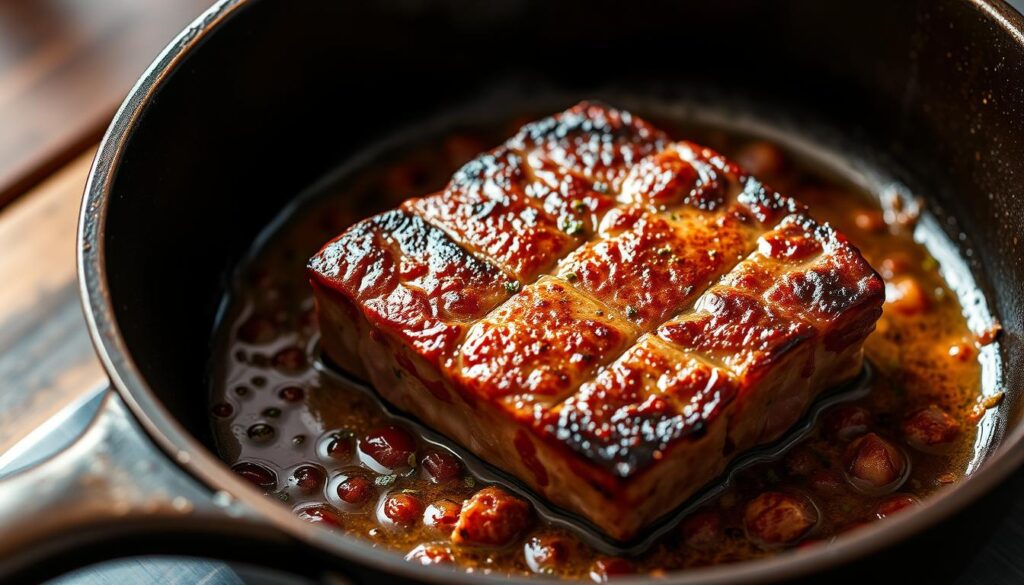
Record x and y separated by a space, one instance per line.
929 263
511 287
411 460
384 480
601 188
579 206
571 276
469 481
664 251
572 227
631 311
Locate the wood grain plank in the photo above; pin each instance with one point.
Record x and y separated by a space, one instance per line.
65 65
46 358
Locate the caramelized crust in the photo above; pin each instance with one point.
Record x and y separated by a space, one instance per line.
650 397
840 294
409 279
607 316
650 267
800 281
739 331
589 141
486 209
540 344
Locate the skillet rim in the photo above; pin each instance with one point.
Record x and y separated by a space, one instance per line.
192 457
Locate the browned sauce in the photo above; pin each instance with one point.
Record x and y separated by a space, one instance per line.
310 440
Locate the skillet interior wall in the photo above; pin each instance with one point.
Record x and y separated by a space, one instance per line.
286 90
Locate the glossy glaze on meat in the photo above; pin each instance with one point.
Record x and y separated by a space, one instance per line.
607 315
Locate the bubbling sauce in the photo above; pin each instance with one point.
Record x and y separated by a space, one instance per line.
334 455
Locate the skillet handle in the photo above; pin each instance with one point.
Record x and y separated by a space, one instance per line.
112 493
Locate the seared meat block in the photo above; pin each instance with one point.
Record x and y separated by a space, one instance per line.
399 274
487 209
542 343
609 316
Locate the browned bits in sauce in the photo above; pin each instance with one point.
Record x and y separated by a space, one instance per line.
492 517
442 515
401 508
874 466
990 334
907 296
320 514
339 446
775 519
983 404
391 447
431 554
923 354
291 394
441 467
257 474
309 479
894 504
547 553
355 490
930 429
992 401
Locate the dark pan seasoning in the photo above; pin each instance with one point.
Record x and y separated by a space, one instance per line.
332 453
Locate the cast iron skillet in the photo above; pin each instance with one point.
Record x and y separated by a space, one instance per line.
259 98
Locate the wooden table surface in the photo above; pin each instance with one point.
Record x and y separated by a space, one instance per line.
65 66
46 359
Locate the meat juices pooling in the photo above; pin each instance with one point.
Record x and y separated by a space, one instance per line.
305 438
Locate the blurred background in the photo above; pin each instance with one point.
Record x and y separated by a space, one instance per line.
65 66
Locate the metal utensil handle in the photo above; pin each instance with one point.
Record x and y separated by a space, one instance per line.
112 492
